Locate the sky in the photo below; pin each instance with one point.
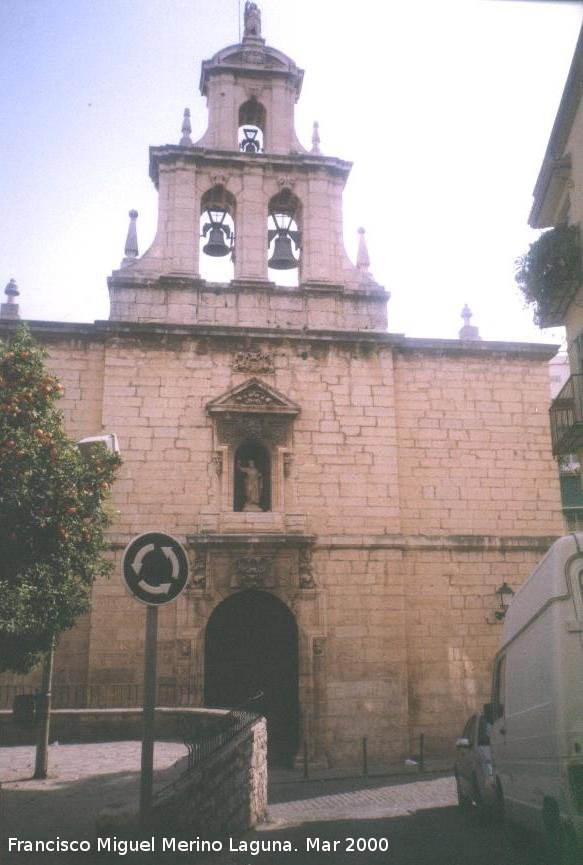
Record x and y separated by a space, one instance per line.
444 108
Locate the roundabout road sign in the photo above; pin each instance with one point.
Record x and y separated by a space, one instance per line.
155 568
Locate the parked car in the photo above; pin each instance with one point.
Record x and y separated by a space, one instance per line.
473 771
537 702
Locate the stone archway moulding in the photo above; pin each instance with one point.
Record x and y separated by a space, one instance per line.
282 565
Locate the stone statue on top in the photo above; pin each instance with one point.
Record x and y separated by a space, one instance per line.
252 19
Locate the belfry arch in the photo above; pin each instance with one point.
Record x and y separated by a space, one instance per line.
217 233
251 647
251 126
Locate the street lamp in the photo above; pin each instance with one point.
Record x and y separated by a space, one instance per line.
504 593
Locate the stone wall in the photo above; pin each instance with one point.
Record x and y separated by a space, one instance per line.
107 725
248 304
226 794
411 635
414 478
474 445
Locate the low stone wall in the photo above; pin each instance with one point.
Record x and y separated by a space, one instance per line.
226 794
108 725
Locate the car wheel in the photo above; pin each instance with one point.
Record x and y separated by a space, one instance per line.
483 812
497 810
464 802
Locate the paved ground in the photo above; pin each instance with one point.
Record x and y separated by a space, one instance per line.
400 820
369 798
83 780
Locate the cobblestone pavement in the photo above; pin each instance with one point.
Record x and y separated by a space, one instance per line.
365 797
412 820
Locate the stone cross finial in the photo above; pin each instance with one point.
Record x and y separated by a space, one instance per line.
10 308
362 259
186 140
316 138
131 247
468 331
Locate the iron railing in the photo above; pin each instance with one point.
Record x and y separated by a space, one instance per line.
226 728
101 696
566 416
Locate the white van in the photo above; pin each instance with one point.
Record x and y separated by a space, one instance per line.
537 701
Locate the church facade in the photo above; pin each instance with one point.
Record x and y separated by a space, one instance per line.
350 500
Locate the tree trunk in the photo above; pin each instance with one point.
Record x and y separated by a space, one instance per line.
44 716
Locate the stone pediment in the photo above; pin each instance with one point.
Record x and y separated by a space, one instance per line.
253 397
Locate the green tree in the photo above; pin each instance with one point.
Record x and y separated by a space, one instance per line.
52 514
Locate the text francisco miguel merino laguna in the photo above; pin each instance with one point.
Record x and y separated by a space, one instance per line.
122 846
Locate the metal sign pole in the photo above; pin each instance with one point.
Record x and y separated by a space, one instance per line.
155 571
147 776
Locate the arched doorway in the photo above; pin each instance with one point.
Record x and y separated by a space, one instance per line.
251 646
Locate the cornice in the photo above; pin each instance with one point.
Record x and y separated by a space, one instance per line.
554 155
205 157
102 330
480 543
496 544
542 351
252 539
180 282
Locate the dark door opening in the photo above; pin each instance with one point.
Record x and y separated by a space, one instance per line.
251 646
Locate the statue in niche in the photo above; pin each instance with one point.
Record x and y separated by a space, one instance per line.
252 19
252 484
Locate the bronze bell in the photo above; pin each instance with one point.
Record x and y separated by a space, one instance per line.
282 258
216 245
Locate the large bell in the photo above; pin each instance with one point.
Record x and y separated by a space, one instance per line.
282 258
216 245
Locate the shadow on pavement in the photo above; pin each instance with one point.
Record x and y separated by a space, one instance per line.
430 836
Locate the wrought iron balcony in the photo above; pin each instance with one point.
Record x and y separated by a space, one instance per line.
566 414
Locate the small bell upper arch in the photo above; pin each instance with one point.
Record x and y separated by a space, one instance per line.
252 119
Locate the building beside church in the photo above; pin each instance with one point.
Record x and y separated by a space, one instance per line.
350 499
558 207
